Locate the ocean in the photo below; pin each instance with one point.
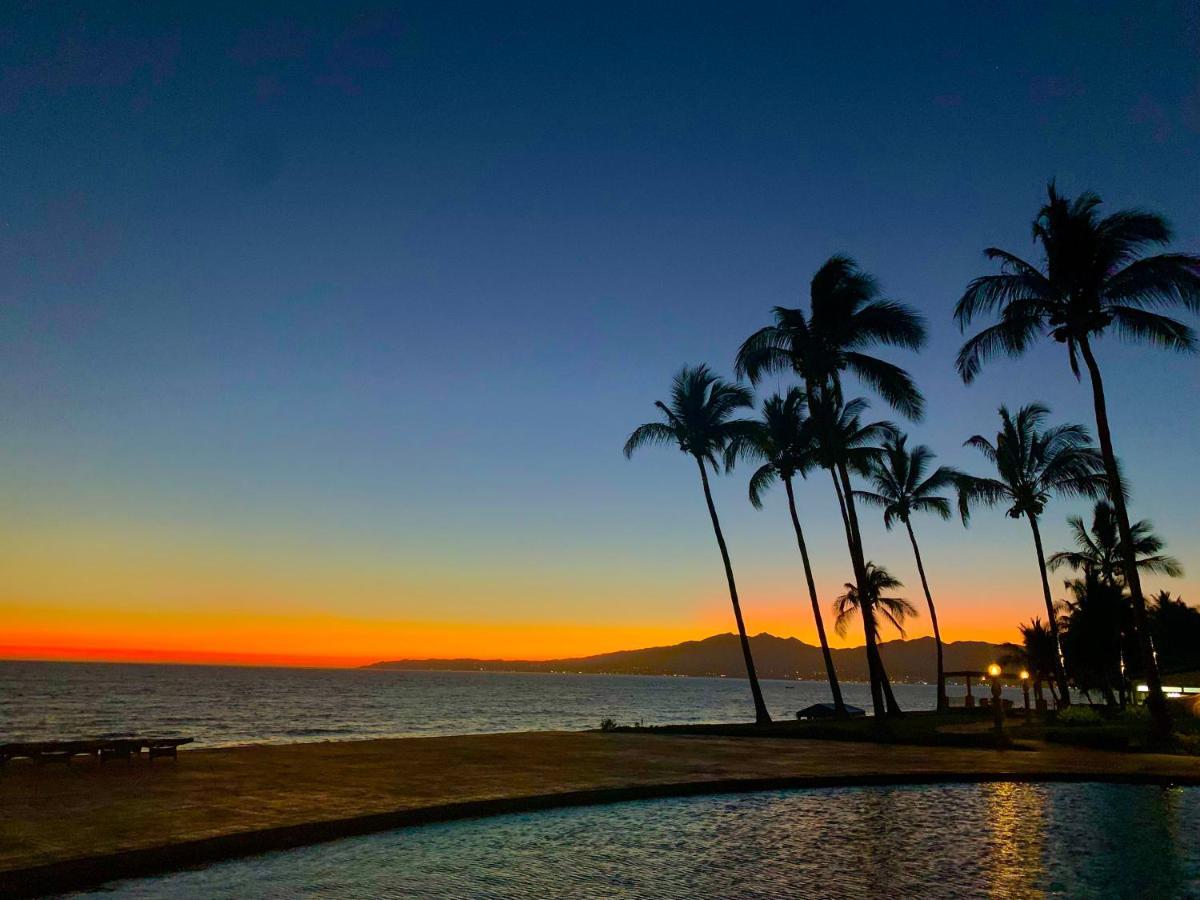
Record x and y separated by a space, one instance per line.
227 705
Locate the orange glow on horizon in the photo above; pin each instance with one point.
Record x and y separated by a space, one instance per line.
237 638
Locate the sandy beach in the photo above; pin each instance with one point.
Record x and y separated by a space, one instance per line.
79 825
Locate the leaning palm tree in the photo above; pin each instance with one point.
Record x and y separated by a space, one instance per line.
1032 464
782 441
841 444
699 421
902 488
1094 279
893 609
1099 551
847 317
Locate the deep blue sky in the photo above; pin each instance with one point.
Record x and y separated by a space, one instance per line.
297 294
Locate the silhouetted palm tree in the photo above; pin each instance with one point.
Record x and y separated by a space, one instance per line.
902 488
1032 464
699 420
841 444
1099 549
1040 653
783 442
847 317
894 609
1099 555
1176 628
1094 278
1093 617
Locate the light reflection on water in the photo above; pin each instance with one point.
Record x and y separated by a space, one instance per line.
996 840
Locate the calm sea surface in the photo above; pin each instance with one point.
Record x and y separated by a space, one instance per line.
994 840
219 705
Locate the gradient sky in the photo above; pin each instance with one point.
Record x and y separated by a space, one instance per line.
322 329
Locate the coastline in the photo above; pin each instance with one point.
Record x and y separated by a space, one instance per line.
87 824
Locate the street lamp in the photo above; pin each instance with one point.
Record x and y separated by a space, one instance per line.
997 707
1025 691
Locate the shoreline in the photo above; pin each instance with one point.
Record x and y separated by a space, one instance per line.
80 826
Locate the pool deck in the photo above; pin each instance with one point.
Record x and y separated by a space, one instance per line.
77 825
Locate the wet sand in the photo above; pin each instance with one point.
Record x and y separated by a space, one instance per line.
79 825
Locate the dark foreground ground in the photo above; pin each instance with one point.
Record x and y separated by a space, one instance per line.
78 825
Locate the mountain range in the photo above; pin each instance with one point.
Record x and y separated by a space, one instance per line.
721 655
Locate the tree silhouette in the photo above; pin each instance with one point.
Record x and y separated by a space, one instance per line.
699 421
1094 279
847 317
902 487
894 609
841 444
1039 652
1032 464
1098 548
1093 616
783 442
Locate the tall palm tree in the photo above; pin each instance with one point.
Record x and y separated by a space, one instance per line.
847 317
1032 464
902 488
699 421
1099 551
841 444
1094 278
782 441
894 609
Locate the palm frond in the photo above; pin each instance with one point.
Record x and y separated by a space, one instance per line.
1011 336
648 435
766 352
938 505
1166 279
890 382
1161 331
888 322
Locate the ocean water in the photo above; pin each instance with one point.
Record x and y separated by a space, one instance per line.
224 705
933 841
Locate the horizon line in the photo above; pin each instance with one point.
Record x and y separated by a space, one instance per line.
140 656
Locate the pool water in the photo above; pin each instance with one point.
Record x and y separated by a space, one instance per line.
992 840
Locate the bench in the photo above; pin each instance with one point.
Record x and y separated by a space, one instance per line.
102 749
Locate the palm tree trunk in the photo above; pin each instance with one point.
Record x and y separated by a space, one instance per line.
1160 715
878 706
761 716
942 701
837 489
839 705
893 707
866 608
1060 673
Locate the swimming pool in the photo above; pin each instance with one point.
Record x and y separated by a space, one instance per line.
989 840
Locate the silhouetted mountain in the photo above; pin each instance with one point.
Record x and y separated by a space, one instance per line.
721 654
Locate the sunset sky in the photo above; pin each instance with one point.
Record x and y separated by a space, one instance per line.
321 330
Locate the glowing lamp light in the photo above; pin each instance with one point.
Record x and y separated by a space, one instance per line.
1024 675
994 670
